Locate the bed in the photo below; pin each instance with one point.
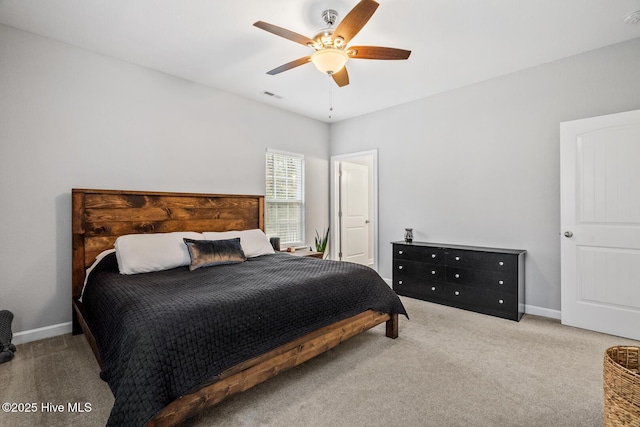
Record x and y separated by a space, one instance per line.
114 307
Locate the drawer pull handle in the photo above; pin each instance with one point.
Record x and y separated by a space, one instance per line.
501 263
399 282
457 292
501 301
433 288
433 255
433 272
399 252
399 267
457 276
457 258
500 282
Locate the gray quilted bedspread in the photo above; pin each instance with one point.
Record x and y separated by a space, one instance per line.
161 335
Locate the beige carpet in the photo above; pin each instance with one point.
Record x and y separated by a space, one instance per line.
449 367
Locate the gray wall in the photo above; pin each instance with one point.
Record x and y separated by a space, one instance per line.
73 118
480 165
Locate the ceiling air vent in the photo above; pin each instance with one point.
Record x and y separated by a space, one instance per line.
271 94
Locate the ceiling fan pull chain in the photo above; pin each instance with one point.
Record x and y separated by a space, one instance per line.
330 98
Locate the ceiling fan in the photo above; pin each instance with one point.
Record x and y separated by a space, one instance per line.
332 52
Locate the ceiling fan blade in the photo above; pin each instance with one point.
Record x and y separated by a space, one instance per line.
290 65
283 32
341 77
377 52
355 20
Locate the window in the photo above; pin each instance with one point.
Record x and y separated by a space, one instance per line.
284 210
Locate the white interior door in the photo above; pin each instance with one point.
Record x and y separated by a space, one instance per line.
600 220
354 212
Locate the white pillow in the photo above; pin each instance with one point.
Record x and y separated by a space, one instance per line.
254 242
221 235
90 269
143 253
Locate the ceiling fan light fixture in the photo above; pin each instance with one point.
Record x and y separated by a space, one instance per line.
329 60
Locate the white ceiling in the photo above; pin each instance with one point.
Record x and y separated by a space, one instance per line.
213 42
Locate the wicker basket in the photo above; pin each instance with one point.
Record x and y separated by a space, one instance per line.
621 387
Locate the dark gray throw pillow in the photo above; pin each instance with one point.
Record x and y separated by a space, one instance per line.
207 253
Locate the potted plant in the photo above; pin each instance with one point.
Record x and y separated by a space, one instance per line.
321 241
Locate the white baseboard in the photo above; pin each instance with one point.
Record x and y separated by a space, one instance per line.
541 311
41 333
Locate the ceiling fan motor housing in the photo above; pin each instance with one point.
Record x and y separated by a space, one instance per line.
330 17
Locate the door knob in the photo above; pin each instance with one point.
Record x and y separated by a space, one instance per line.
568 234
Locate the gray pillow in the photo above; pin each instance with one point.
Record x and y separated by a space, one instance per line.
207 253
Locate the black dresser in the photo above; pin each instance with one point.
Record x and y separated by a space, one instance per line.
485 280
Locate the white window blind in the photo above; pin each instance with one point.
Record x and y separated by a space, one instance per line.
284 210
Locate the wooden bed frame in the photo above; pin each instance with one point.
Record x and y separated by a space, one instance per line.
100 216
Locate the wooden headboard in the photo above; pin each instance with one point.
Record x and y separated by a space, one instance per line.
99 217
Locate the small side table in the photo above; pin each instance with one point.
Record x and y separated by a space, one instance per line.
307 252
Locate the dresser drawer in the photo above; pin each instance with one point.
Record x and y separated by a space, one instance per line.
489 261
498 304
415 287
423 254
403 269
470 297
496 301
438 292
490 280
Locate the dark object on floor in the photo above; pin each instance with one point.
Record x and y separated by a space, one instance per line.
7 349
